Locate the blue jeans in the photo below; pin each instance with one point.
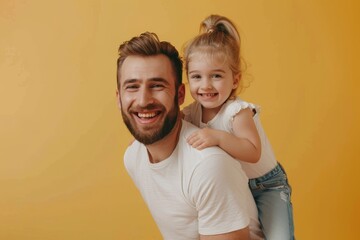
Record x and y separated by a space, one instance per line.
272 194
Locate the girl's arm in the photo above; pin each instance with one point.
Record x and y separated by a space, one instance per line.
244 144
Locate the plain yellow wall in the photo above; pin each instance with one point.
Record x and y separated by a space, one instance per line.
62 137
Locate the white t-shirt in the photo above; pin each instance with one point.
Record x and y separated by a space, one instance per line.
224 120
193 192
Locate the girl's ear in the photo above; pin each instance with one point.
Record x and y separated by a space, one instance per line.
236 80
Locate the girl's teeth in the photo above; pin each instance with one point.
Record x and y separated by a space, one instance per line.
208 94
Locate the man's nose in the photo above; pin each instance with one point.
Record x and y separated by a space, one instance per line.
145 97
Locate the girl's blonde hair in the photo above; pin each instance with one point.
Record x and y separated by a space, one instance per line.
218 36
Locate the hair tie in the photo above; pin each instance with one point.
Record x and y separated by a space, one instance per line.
210 30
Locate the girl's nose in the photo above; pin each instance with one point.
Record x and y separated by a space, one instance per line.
206 84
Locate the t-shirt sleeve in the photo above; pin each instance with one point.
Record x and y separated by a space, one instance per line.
236 106
219 191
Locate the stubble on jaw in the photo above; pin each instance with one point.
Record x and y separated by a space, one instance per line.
148 136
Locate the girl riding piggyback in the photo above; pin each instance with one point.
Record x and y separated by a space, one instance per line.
213 67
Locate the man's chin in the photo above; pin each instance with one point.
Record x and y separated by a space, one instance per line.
147 134
147 139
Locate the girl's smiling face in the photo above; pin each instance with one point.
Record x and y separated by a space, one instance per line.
211 79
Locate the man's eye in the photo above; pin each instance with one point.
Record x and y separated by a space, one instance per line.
157 86
131 87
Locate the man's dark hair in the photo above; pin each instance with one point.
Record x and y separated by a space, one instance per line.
148 44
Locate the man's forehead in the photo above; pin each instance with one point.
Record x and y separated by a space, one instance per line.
149 80
144 68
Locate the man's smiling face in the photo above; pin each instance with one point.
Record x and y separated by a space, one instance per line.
148 97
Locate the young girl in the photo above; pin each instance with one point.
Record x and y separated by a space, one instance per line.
212 62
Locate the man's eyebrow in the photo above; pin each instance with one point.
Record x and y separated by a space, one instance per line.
160 80
155 79
128 81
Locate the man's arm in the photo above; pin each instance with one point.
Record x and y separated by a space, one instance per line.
242 234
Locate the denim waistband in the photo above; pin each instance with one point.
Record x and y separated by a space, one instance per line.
273 172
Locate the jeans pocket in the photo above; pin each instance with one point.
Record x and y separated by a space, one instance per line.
276 182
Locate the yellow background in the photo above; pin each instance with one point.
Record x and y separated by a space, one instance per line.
62 137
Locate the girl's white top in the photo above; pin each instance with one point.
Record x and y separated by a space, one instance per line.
224 121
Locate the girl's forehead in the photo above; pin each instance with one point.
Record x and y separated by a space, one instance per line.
211 56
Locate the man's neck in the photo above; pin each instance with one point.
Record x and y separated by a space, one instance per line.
163 148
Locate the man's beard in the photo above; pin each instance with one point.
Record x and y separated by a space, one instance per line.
151 136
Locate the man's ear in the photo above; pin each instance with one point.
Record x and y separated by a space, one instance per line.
118 100
181 94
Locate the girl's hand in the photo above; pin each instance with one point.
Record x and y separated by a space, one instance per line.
204 138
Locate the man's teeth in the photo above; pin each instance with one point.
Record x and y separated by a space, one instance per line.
146 115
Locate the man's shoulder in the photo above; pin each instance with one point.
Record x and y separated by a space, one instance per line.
214 156
187 129
216 161
132 152
134 147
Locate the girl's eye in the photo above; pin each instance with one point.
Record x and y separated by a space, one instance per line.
217 76
195 76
